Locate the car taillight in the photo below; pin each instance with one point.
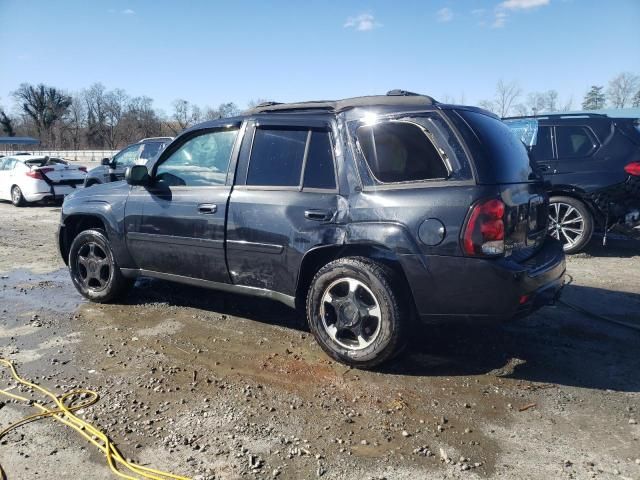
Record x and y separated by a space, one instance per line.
633 168
484 232
37 174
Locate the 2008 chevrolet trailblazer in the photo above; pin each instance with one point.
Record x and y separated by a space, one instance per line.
369 212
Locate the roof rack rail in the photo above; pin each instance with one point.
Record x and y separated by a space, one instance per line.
267 104
401 93
560 115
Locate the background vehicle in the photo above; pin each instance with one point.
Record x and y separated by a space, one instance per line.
31 178
365 211
592 163
112 170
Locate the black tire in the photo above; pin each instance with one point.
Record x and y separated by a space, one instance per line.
93 268
571 241
16 197
380 283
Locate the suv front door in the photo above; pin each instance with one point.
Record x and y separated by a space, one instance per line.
283 204
176 225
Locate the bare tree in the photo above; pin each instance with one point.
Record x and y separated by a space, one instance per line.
488 105
7 124
184 115
506 95
74 122
44 105
636 100
94 98
116 103
551 100
621 89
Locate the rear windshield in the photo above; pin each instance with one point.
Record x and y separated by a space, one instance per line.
507 156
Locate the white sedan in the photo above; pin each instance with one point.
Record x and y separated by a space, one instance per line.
31 178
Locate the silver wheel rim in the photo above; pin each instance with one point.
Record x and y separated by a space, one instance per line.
15 194
566 224
93 268
350 313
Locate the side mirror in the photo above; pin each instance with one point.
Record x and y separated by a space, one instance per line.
137 175
105 161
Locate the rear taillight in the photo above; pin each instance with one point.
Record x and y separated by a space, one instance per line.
37 174
633 168
484 232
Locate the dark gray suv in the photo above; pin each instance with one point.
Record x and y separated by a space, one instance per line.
112 169
366 213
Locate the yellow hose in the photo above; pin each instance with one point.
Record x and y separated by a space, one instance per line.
64 414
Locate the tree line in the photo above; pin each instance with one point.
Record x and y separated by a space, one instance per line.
97 118
622 91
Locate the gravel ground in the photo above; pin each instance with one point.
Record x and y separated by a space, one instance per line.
211 385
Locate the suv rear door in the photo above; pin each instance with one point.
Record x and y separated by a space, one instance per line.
176 225
283 203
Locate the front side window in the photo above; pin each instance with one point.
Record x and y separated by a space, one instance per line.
574 141
127 157
150 150
398 151
200 161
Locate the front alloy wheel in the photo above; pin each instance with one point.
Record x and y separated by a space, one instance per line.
93 267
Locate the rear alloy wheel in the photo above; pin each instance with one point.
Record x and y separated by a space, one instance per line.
357 311
93 268
16 197
571 222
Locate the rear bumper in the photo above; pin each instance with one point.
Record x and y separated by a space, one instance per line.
463 286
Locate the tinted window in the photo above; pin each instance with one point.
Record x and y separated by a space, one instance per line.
319 170
400 152
200 161
573 142
3 163
150 150
506 155
542 150
276 157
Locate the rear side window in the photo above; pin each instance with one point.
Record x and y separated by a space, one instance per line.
400 152
574 141
504 151
150 150
319 171
276 157
542 150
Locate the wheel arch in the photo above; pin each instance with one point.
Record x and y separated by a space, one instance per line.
318 257
73 225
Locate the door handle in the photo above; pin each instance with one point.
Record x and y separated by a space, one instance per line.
207 208
318 215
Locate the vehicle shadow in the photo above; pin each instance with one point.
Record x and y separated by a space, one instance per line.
574 343
617 246
569 344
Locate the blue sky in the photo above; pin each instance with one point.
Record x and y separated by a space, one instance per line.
210 52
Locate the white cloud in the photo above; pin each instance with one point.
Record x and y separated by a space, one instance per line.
478 12
499 20
501 11
444 15
523 4
362 23
128 11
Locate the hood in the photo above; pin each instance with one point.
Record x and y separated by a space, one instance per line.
105 192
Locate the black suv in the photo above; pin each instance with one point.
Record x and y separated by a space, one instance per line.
592 164
365 211
112 169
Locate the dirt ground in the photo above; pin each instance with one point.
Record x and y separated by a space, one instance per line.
212 385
